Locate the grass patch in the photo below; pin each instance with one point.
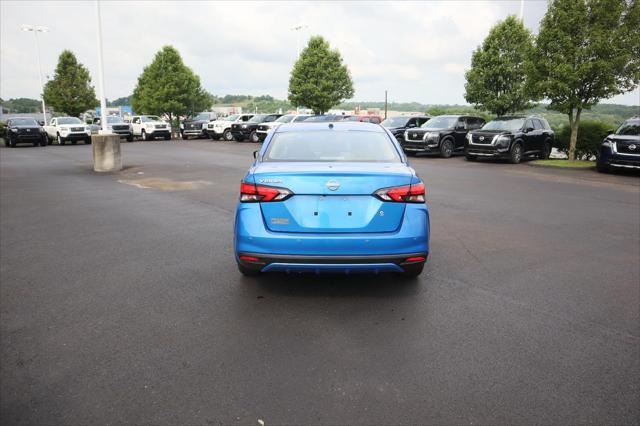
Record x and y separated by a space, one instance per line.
578 164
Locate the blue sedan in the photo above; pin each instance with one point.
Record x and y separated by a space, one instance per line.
331 197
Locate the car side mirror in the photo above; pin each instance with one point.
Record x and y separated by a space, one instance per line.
255 154
40 122
610 132
528 129
411 125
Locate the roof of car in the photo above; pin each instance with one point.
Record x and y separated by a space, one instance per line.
510 117
304 126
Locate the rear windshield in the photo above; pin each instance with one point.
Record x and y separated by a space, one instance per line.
333 145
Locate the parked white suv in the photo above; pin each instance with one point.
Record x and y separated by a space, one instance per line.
222 127
149 127
62 129
264 128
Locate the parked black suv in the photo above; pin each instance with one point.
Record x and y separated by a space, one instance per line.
25 130
512 138
444 135
621 149
197 125
397 125
243 131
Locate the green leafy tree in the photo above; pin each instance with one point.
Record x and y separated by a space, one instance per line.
319 79
168 87
70 92
591 135
496 80
586 50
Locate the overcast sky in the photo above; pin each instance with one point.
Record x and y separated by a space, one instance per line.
418 51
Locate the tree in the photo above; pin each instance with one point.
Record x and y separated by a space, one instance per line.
496 80
319 79
168 86
70 92
586 50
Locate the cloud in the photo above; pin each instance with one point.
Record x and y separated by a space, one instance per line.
416 50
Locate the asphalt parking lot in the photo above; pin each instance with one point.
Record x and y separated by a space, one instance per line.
120 301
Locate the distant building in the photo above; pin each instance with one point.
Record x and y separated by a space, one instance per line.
226 110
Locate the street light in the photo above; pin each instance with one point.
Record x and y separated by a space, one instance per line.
35 29
103 103
297 29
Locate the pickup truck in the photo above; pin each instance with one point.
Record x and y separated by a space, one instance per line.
197 125
265 128
221 128
63 129
149 127
247 130
115 124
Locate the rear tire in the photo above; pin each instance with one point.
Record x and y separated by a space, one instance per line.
546 151
246 271
601 168
413 270
515 156
60 140
144 136
446 148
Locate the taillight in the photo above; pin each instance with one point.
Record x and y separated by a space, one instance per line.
413 193
250 193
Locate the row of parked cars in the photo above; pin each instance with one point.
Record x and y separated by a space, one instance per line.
254 127
512 138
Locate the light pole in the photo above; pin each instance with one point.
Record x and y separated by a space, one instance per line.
521 10
103 103
35 29
297 29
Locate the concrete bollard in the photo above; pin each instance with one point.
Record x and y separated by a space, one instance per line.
106 153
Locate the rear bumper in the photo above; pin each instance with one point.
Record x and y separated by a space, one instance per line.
333 252
339 264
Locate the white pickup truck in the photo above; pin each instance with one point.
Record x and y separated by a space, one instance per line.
222 126
149 127
62 129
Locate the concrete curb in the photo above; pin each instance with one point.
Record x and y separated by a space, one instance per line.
573 169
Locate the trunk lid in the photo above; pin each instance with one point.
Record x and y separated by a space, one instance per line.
332 197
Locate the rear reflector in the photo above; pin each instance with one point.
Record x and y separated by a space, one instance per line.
251 193
415 259
413 193
249 259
